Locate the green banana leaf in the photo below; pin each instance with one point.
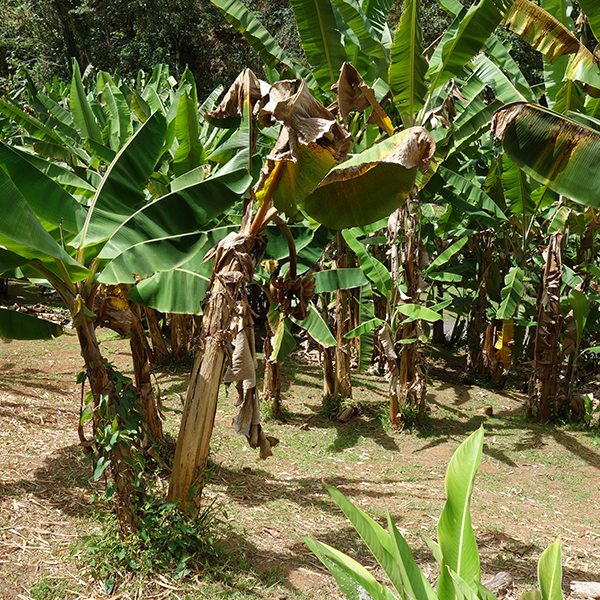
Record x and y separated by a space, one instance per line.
591 8
365 327
190 153
369 41
320 39
64 177
144 259
493 77
366 340
472 193
556 151
511 294
258 37
375 537
284 341
447 254
417 311
19 326
316 327
20 224
550 572
455 533
518 188
338 279
277 246
47 199
581 310
462 41
121 190
185 211
414 581
30 123
386 171
569 97
120 127
83 117
178 291
408 67
354 580
373 269
11 260
501 56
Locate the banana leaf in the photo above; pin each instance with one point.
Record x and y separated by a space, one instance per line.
511 294
408 67
83 117
354 580
387 171
462 41
553 39
339 279
263 43
20 224
591 8
316 327
556 151
122 186
320 39
47 199
19 326
373 269
455 533
185 211
550 572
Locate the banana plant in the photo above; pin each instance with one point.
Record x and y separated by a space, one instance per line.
300 175
103 219
456 550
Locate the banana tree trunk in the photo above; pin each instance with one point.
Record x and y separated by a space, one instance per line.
411 381
179 337
102 384
236 257
342 382
159 346
482 245
142 357
543 397
272 375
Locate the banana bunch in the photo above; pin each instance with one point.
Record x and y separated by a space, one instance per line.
293 295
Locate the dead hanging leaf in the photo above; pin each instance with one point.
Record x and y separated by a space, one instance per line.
354 94
243 365
305 119
445 114
309 144
247 422
386 343
247 86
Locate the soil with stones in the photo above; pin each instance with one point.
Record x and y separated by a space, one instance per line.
535 482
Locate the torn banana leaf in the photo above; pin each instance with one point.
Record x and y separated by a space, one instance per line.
372 184
556 151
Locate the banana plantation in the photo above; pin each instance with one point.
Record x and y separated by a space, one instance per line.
364 203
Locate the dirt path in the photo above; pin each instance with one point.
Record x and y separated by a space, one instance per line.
535 483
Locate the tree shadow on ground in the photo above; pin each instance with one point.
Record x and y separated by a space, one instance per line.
61 481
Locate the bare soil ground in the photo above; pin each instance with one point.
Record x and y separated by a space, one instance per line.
535 483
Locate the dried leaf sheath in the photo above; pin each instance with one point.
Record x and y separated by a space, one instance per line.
236 257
